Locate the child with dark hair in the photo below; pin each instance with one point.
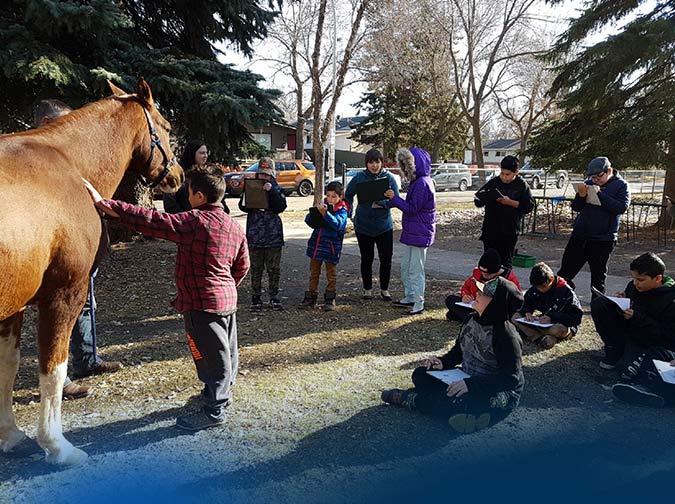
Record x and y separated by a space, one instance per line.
325 246
265 235
549 301
489 267
373 226
211 261
489 350
506 199
649 322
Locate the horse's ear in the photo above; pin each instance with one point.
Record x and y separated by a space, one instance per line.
115 90
144 94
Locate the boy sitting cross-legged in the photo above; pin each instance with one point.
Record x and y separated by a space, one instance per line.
325 246
556 303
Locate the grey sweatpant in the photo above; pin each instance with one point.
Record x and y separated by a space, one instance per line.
213 344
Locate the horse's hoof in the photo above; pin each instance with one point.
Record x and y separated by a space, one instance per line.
11 439
71 456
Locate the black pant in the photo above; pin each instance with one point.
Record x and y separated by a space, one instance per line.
431 399
579 252
213 343
649 376
455 312
506 247
614 332
385 249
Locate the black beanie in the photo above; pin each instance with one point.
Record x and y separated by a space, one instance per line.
510 163
491 261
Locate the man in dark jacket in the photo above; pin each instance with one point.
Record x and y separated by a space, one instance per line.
265 235
648 323
556 303
595 228
506 199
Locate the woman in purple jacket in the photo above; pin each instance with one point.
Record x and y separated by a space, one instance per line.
419 224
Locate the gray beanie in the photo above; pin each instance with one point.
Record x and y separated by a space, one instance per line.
266 165
598 165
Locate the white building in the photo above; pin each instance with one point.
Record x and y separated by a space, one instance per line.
494 152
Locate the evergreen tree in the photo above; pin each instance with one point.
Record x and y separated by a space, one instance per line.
67 49
616 95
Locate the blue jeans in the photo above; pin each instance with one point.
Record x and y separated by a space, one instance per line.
82 345
412 275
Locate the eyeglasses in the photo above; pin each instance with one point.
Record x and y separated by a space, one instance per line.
598 175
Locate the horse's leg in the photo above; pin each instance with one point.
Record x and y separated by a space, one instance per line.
10 331
56 319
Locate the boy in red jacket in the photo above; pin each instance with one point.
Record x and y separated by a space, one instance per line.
489 267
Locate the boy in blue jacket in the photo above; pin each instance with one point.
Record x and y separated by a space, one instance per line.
325 245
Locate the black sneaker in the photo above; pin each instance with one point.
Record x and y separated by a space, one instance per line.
276 305
197 421
395 396
637 394
256 303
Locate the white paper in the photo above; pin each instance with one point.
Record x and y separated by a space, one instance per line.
533 322
591 194
465 305
449 375
621 302
666 371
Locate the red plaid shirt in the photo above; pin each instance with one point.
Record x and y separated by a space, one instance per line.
212 256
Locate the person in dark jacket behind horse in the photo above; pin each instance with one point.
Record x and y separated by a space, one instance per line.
489 350
419 224
549 301
325 246
595 228
265 235
194 154
506 199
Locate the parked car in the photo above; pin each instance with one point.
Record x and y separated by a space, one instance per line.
351 173
296 175
448 176
536 177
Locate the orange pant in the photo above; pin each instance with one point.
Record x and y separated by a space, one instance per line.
315 274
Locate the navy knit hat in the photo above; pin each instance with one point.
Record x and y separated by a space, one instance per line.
510 163
598 165
491 261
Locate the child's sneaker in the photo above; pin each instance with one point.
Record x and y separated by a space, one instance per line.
465 423
367 294
637 394
275 304
256 303
395 396
547 341
384 294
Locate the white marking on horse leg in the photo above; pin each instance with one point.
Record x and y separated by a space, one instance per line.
10 435
50 432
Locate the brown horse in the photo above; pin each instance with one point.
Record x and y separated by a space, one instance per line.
50 234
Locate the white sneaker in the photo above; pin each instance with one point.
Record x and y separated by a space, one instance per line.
367 293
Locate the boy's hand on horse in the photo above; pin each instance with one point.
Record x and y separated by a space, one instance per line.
98 200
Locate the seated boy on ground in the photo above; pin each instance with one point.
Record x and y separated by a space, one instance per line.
648 323
489 267
643 382
549 301
489 350
211 261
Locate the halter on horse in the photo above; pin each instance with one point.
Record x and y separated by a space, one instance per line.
41 191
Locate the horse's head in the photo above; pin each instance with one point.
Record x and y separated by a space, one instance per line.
153 159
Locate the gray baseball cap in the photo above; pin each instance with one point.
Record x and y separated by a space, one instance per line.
598 165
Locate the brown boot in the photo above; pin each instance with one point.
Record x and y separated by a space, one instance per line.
309 301
74 391
103 367
329 301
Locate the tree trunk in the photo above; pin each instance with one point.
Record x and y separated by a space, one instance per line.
318 163
300 138
478 148
131 191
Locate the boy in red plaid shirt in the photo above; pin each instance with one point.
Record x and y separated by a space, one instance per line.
211 261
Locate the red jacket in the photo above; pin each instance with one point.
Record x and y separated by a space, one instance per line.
469 287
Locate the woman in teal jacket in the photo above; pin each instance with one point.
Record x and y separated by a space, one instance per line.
373 226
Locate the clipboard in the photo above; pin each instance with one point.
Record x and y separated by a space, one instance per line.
372 190
489 195
255 197
622 302
316 220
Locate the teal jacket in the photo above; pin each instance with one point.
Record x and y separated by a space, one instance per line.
371 221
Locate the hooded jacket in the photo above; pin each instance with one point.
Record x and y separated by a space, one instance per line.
653 320
419 205
601 223
368 220
560 303
264 228
325 244
502 220
489 348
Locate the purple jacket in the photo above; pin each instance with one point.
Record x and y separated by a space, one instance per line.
419 205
